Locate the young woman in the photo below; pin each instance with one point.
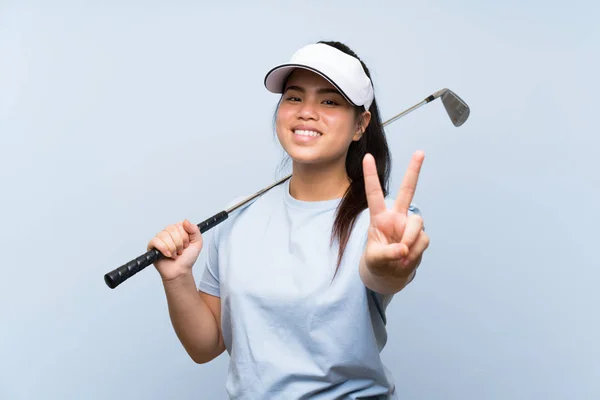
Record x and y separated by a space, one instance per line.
297 282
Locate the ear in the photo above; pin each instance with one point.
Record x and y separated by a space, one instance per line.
361 126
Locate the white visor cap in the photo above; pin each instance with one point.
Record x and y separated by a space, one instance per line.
342 70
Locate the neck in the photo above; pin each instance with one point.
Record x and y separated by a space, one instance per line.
318 182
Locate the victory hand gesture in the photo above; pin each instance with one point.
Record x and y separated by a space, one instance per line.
396 240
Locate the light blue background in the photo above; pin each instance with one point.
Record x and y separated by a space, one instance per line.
117 119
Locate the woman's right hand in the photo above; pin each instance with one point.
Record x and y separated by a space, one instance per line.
181 244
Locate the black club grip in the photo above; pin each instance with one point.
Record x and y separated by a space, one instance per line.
117 276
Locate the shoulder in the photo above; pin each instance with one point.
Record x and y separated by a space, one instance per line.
240 209
237 200
231 216
265 196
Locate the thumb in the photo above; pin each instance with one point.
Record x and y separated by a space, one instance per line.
383 253
193 231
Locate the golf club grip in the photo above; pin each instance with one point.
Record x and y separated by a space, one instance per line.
117 276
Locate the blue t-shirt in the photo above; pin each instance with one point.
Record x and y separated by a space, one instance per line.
292 329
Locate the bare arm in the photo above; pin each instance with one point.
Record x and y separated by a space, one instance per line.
196 318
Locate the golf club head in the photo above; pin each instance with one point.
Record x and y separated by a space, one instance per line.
457 109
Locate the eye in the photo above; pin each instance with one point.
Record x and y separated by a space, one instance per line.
331 102
292 98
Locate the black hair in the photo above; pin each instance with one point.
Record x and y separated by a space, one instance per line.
373 141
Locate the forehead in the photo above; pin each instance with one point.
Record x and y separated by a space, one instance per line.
305 78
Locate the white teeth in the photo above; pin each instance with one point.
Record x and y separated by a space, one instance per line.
307 133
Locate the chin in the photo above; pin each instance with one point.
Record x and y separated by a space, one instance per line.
314 158
304 157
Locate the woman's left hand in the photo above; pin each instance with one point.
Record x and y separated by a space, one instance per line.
396 241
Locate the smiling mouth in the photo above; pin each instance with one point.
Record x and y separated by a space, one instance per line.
302 132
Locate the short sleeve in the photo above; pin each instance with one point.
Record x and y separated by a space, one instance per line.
209 282
414 209
380 302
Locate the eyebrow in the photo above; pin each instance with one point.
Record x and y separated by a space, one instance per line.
320 91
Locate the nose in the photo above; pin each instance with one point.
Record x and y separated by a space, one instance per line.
308 110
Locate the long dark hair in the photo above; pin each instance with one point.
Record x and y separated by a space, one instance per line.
373 141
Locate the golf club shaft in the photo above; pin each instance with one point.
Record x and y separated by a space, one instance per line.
119 275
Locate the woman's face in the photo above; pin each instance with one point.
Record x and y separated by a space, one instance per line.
315 124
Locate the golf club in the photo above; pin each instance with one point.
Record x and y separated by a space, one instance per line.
457 110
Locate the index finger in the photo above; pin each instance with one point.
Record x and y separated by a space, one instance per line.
409 183
375 198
